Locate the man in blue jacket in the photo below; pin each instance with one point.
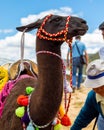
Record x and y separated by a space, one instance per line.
94 104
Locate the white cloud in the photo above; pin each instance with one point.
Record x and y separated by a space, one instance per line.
5 31
64 11
93 42
10 47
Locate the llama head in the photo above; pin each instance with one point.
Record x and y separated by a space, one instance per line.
52 25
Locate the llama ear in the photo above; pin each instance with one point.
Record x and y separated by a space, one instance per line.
31 26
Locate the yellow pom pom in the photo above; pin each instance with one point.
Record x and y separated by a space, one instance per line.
3 77
61 111
20 111
57 127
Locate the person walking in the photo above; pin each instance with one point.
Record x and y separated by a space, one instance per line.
94 104
78 48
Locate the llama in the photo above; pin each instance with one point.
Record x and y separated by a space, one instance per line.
44 102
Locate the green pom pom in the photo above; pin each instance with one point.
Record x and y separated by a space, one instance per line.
36 128
20 112
57 127
29 90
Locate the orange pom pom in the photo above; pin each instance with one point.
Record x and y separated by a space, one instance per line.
65 121
22 100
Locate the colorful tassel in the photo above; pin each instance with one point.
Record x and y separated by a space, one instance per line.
61 111
3 77
29 90
25 118
36 128
20 111
55 121
22 100
24 126
57 127
65 121
30 127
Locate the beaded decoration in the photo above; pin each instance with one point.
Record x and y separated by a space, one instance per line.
49 36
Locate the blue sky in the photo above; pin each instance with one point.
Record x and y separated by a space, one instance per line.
12 11
15 13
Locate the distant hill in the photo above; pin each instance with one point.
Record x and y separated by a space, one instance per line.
93 56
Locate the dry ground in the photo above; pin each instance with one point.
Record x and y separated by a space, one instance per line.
77 101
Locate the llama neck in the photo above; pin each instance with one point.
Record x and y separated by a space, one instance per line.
47 97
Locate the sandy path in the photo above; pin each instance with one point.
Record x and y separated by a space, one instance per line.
77 101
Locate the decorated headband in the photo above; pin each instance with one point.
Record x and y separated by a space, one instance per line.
53 37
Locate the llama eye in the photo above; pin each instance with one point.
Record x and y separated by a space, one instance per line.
57 19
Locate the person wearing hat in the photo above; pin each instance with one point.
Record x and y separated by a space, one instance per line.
94 104
101 27
101 51
100 122
78 48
